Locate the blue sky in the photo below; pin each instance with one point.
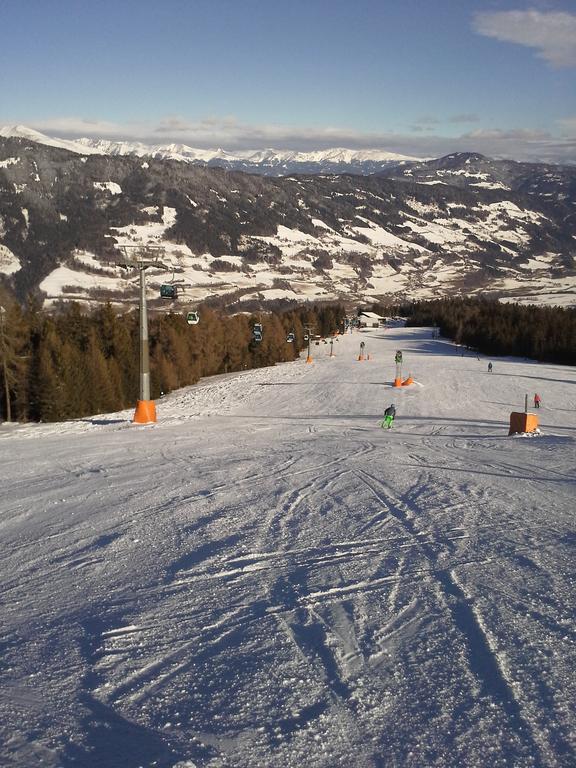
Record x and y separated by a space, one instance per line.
422 77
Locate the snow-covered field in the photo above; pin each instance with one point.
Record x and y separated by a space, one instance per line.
266 578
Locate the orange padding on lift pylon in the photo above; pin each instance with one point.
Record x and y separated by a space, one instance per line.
360 357
145 412
309 360
408 381
397 382
522 422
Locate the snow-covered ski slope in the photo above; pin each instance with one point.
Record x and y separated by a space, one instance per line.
266 578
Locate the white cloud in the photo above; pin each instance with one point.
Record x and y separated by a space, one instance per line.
552 34
427 120
210 132
499 134
80 126
464 117
231 134
568 126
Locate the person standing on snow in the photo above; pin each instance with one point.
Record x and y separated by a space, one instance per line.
389 415
537 400
489 367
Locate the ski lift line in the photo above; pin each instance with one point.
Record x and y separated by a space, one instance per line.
141 263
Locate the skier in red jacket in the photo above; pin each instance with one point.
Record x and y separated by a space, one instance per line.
537 400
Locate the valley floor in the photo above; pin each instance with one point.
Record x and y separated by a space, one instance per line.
266 578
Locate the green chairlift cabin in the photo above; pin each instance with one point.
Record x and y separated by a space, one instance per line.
168 291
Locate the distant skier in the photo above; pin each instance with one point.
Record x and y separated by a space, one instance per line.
389 415
489 367
398 356
537 400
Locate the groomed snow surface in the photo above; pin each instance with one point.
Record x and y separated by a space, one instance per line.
265 578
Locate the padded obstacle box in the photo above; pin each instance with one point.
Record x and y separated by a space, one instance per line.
522 422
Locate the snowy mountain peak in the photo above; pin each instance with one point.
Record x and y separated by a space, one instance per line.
29 134
454 225
258 160
22 132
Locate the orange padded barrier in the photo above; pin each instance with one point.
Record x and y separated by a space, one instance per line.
397 382
145 412
522 422
408 381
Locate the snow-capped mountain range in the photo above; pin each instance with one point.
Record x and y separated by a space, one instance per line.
267 161
463 224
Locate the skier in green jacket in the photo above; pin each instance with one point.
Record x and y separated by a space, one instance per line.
389 415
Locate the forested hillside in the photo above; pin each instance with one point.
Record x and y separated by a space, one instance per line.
462 225
547 334
72 364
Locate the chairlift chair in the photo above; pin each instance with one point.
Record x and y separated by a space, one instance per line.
168 291
290 338
257 332
192 318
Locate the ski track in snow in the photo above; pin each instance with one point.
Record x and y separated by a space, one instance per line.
267 578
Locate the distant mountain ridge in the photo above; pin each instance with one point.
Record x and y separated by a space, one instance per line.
265 161
463 224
